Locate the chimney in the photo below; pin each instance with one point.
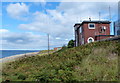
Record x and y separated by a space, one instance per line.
90 19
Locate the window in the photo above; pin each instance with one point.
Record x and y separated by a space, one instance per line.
90 39
103 29
91 26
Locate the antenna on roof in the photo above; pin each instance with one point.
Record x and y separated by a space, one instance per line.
80 19
99 15
109 13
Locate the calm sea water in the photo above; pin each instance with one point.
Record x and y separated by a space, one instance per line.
7 53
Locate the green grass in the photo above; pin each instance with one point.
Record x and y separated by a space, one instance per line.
96 61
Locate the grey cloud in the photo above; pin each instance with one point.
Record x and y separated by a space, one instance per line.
18 40
26 40
22 38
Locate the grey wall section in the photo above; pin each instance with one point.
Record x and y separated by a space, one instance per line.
117 24
119 11
118 31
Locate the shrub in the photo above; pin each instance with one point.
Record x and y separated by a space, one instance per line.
71 44
22 77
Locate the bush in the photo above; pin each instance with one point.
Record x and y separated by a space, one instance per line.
22 77
71 44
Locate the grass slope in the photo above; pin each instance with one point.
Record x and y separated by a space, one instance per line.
96 61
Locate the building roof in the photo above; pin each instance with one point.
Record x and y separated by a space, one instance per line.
107 22
79 24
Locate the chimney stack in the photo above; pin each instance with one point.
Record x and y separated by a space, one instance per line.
90 19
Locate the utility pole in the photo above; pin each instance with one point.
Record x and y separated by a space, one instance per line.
48 43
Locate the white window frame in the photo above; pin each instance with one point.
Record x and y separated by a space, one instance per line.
90 27
90 38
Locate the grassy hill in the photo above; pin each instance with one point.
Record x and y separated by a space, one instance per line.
96 61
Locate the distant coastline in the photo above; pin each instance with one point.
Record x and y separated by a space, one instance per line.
19 56
15 57
8 53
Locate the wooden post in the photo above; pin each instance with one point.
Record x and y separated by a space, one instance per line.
48 44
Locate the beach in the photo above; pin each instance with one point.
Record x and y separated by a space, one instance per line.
19 56
16 57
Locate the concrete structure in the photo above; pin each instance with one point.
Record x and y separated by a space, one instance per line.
90 31
117 23
118 32
117 28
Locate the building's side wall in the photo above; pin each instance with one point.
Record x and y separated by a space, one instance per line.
77 35
102 37
93 32
88 32
82 36
77 38
98 29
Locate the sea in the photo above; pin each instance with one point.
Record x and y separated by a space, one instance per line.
7 53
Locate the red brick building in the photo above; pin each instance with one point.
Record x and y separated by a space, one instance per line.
90 31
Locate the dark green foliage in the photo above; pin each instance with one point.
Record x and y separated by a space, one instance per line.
22 77
71 44
96 61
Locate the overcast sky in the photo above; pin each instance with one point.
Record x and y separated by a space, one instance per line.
25 24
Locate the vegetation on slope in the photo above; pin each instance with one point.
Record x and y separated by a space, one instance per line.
96 61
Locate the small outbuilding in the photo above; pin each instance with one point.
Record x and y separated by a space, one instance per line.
57 48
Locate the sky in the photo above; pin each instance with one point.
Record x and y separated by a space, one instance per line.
25 25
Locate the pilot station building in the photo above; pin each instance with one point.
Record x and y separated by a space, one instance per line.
90 31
